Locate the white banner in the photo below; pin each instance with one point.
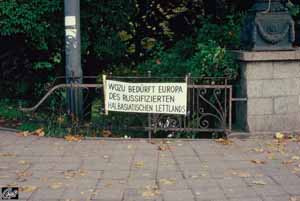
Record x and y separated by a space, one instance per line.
164 98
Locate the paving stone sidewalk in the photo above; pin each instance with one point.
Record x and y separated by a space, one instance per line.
204 170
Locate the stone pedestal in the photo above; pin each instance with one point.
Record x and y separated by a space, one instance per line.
268 26
271 83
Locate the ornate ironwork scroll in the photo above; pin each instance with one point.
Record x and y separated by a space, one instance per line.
208 111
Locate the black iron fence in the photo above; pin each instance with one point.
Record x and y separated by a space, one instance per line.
209 109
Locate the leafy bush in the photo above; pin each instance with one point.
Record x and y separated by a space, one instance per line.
8 110
294 9
211 60
170 62
205 55
226 33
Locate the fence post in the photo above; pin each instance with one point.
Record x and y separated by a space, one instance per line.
188 82
149 118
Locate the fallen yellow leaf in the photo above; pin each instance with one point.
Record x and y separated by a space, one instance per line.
56 185
271 157
151 191
139 164
108 185
148 194
23 174
194 176
24 133
12 185
203 174
279 136
163 148
27 189
287 162
167 181
224 141
73 138
39 132
7 154
23 162
295 158
122 182
82 173
73 173
296 170
243 174
259 150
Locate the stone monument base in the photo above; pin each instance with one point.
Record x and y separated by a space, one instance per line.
271 83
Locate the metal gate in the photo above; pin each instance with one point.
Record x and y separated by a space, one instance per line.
209 111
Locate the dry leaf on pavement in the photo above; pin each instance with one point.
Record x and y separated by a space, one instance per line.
167 181
295 158
259 182
7 154
241 174
258 161
139 164
28 189
106 133
39 132
287 162
24 133
56 185
271 157
73 138
108 185
73 173
23 174
259 150
224 141
150 191
279 136
163 148
23 162
296 170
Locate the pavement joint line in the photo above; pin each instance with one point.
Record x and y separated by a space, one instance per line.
130 169
156 171
189 187
181 171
